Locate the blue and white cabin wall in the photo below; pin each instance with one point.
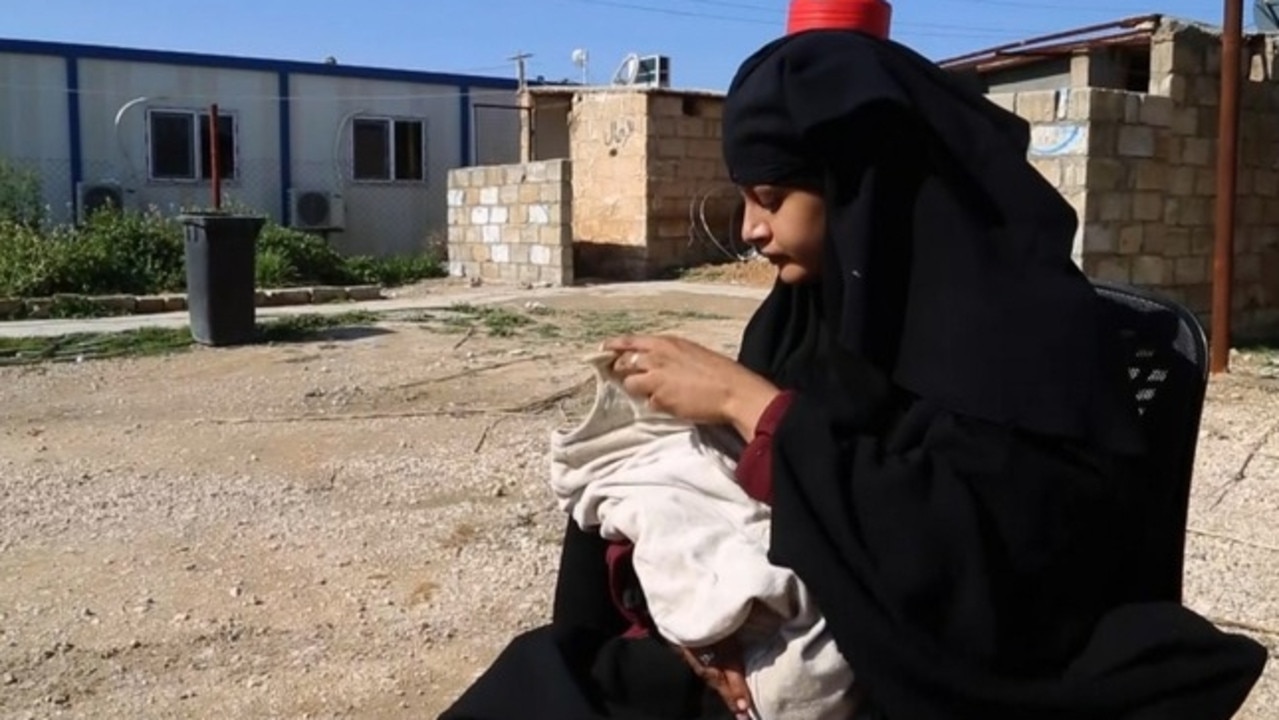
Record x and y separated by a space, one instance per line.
382 140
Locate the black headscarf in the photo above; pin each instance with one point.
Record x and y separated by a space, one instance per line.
948 256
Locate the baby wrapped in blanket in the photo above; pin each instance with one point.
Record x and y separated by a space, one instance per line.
700 546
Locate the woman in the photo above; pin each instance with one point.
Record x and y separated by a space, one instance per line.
937 414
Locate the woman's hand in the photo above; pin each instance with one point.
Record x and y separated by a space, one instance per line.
691 382
721 667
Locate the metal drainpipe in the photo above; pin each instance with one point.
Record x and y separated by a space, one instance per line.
1223 247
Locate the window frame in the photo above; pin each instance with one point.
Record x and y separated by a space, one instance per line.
199 118
390 122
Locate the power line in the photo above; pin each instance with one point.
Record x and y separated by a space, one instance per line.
1051 6
996 3
924 29
518 58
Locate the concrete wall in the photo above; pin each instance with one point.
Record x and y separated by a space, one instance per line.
547 136
122 152
1139 168
33 125
497 118
382 217
512 223
1123 67
1050 74
608 143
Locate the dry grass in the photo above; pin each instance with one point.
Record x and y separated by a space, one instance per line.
747 272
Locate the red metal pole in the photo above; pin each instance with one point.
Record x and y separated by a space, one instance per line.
215 172
1223 247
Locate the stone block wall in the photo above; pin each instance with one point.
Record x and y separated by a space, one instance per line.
1185 67
643 159
1139 168
512 223
685 168
1059 145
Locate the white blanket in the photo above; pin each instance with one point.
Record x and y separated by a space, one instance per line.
700 546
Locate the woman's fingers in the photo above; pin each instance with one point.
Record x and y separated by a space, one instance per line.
736 693
626 343
627 363
732 679
641 383
642 343
724 671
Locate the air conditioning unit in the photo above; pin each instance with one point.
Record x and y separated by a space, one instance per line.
316 210
93 196
654 71
1265 15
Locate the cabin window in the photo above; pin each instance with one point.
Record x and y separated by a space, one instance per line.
180 145
388 149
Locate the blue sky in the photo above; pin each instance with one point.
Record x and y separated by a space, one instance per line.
706 39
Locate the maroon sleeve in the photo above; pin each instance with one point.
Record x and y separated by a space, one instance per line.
625 589
755 469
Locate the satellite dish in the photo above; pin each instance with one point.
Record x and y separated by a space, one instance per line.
1265 15
582 60
627 71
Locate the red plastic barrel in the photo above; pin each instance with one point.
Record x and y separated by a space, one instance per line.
873 17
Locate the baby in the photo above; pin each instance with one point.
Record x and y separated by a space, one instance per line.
700 546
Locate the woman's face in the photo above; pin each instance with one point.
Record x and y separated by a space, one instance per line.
787 226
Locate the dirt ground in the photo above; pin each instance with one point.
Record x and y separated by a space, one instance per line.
354 527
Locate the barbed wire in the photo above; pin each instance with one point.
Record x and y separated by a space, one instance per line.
700 227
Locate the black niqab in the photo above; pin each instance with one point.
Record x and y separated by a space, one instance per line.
954 475
948 255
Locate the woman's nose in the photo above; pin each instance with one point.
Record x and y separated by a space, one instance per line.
755 231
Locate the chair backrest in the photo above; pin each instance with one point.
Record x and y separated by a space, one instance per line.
1166 349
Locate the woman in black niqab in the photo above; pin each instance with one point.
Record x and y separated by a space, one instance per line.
957 475
955 472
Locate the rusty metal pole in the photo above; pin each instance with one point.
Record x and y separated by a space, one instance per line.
215 169
1223 246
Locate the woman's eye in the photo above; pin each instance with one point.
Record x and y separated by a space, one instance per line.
768 198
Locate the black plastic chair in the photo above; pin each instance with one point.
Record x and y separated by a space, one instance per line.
1167 353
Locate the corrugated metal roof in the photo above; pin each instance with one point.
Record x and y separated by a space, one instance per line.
1125 32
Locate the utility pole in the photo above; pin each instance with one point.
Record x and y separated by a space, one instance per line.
519 59
1223 245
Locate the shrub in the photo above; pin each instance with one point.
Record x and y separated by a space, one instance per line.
393 271
287 256
27 260
295 256
273 270
21 200
143 253
135 252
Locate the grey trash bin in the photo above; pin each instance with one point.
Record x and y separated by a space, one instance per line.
221 264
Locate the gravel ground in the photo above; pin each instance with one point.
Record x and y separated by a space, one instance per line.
354 527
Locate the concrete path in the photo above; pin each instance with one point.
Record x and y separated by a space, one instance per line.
435 300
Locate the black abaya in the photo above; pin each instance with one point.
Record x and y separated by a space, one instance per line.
953 476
